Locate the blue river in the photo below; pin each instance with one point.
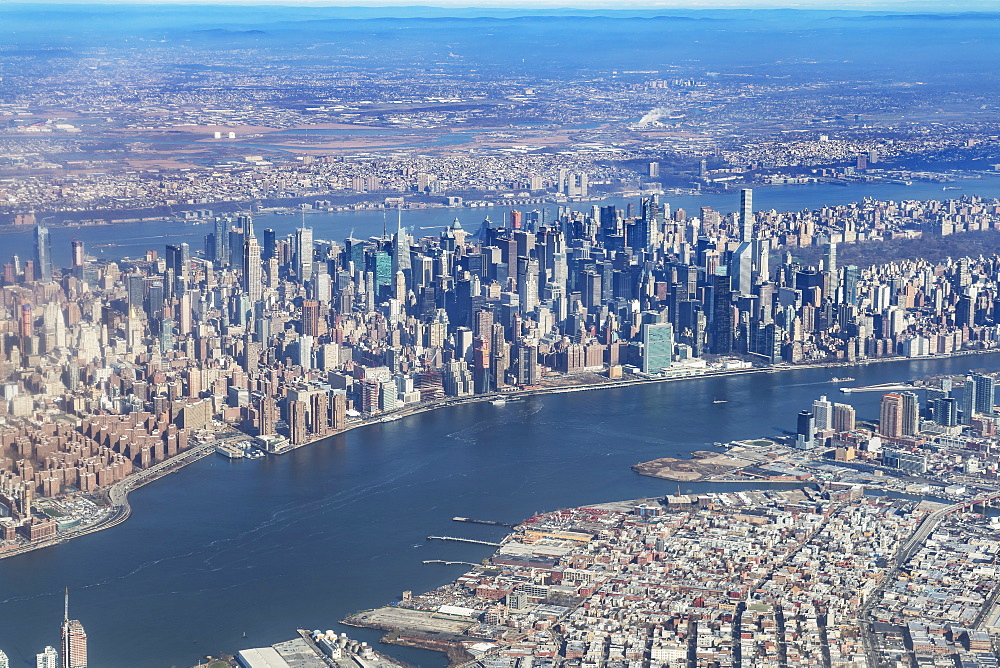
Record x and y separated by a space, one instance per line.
222 548
133 239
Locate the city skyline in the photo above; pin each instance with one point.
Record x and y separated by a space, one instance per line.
298 305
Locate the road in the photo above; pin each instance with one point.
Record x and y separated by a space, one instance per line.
119 509
909 548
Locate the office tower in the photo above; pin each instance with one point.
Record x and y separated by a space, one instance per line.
968 399
178 259
267 249
741 268
761 261
310 317
830 274
74 640
722 314
48 658
823 413
843 417
830 258
890 422
220 246
657 346
304 253
746 215
4 661
76 258
527 284
43 254
305 352
805 431
401 249
850 295
253 280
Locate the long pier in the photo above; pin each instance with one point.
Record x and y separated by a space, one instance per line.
884 387
449 563
464 540
490 522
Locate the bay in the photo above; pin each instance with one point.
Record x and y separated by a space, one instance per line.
225 547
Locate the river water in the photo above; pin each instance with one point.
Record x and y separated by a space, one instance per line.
223 548
133 239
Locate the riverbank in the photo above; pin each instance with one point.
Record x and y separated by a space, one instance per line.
118 493
688 550
600 382
119 509
343 526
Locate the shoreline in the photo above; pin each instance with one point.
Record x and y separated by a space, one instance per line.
118 492
403 626
612 384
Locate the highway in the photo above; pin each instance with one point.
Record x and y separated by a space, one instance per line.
119 509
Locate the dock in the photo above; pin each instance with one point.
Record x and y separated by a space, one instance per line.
449 563
490 522
464 540
884 387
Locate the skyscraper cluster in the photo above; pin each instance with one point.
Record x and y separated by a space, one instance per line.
289 337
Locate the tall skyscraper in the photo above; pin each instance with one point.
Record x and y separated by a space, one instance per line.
43 254
74 640
304 253
722 313
805 431
985 393
253 284
4 661
310 317
823 413
401 250
911 414
890 421
657 346
77 257
267 250
220 250
178 257
741 268
843 417
978 396
746 215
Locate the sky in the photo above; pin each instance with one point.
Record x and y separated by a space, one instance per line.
889 5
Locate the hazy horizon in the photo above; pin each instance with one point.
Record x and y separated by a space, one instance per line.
923 6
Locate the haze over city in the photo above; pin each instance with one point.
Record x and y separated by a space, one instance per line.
499 335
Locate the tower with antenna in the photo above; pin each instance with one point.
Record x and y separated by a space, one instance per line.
303 251
74 640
